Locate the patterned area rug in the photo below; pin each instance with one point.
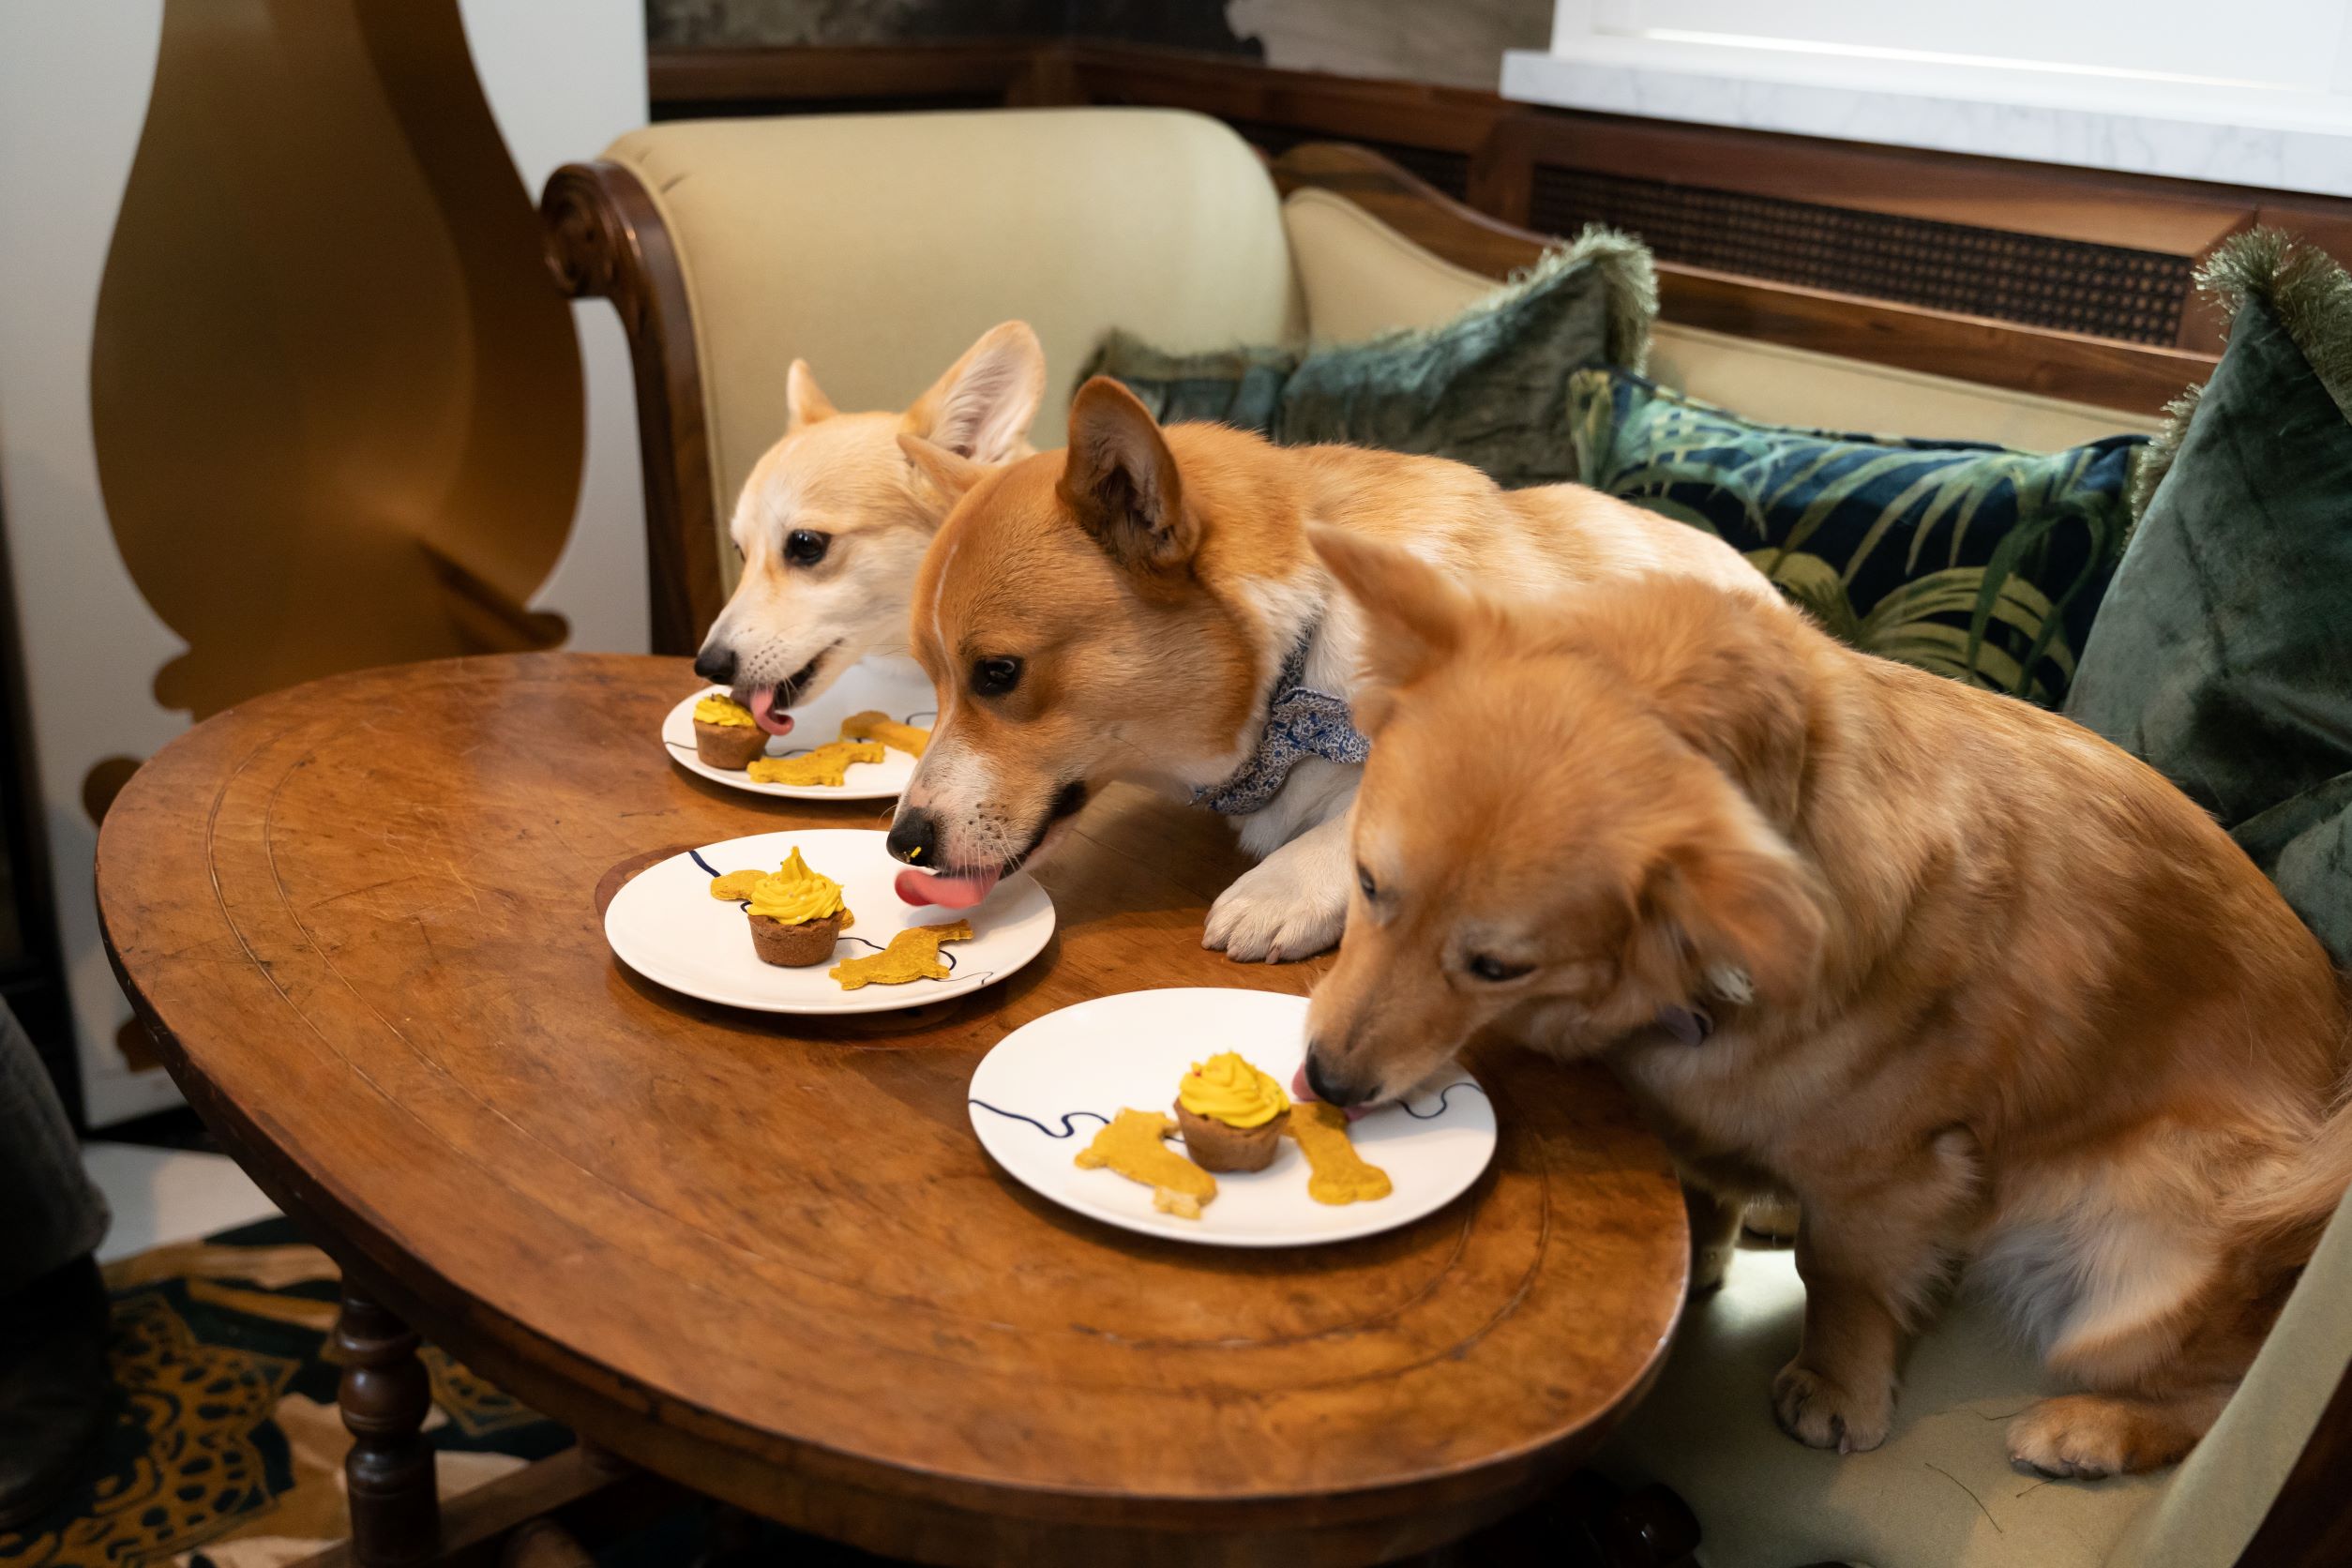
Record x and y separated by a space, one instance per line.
226 1450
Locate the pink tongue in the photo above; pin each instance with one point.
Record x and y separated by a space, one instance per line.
763 713
1299 1091
953 892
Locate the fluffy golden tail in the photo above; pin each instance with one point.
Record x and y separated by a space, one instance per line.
2296 1206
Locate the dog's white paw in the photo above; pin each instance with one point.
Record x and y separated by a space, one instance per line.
1272 914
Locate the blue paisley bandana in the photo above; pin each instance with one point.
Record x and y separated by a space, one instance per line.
1300 722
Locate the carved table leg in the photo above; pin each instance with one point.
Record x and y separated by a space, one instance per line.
384 1395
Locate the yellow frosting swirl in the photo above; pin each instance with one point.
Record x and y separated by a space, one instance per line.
1226 1089
715 709
796 895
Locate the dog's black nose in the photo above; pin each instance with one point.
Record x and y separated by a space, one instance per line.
915 838
1325 1090
715 664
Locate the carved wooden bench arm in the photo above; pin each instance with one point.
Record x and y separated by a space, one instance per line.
606 240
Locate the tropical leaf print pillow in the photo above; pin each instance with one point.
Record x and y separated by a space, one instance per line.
1972 561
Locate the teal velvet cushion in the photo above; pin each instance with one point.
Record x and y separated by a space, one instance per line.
1974 562
2223 655
1238 386
1489 388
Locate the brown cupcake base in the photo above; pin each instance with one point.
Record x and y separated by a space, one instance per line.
1215 1145
728 746
794 946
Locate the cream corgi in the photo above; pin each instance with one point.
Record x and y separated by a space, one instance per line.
1143 606
1969 983
835 519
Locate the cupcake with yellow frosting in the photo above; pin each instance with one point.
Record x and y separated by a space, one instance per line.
796 915
1230 1114
725 735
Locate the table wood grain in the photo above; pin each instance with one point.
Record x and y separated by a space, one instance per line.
767 1256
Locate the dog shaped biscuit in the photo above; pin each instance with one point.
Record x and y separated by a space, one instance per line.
1135 1146
912 954
827 764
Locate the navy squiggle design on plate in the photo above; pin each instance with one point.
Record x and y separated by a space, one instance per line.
946 957
1067 1116
1443 1094
741 903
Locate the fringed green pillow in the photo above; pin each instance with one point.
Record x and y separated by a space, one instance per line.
2224 654
1489 388
1969 560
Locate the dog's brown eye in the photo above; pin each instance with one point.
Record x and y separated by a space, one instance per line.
1488 968
1363 880
805 547
995 676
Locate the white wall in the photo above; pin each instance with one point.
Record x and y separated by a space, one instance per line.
563 77
73 92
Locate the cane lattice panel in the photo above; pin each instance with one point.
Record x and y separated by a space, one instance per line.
2104 291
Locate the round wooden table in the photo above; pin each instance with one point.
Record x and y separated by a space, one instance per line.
767 1256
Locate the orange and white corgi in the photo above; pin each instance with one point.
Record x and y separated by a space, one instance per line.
1143 606
1971 984
835 519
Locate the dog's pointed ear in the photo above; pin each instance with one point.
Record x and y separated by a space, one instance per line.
981 408
805 402
1415 618
1730 907
1119 480
951 472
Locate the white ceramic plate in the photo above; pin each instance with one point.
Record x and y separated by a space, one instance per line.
898 687
666 926
1041 1094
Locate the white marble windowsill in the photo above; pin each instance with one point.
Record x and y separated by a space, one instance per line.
2270 139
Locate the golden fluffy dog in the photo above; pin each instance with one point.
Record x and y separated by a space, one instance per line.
1970 984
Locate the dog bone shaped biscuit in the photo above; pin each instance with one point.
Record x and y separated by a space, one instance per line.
1340 1174
875 725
